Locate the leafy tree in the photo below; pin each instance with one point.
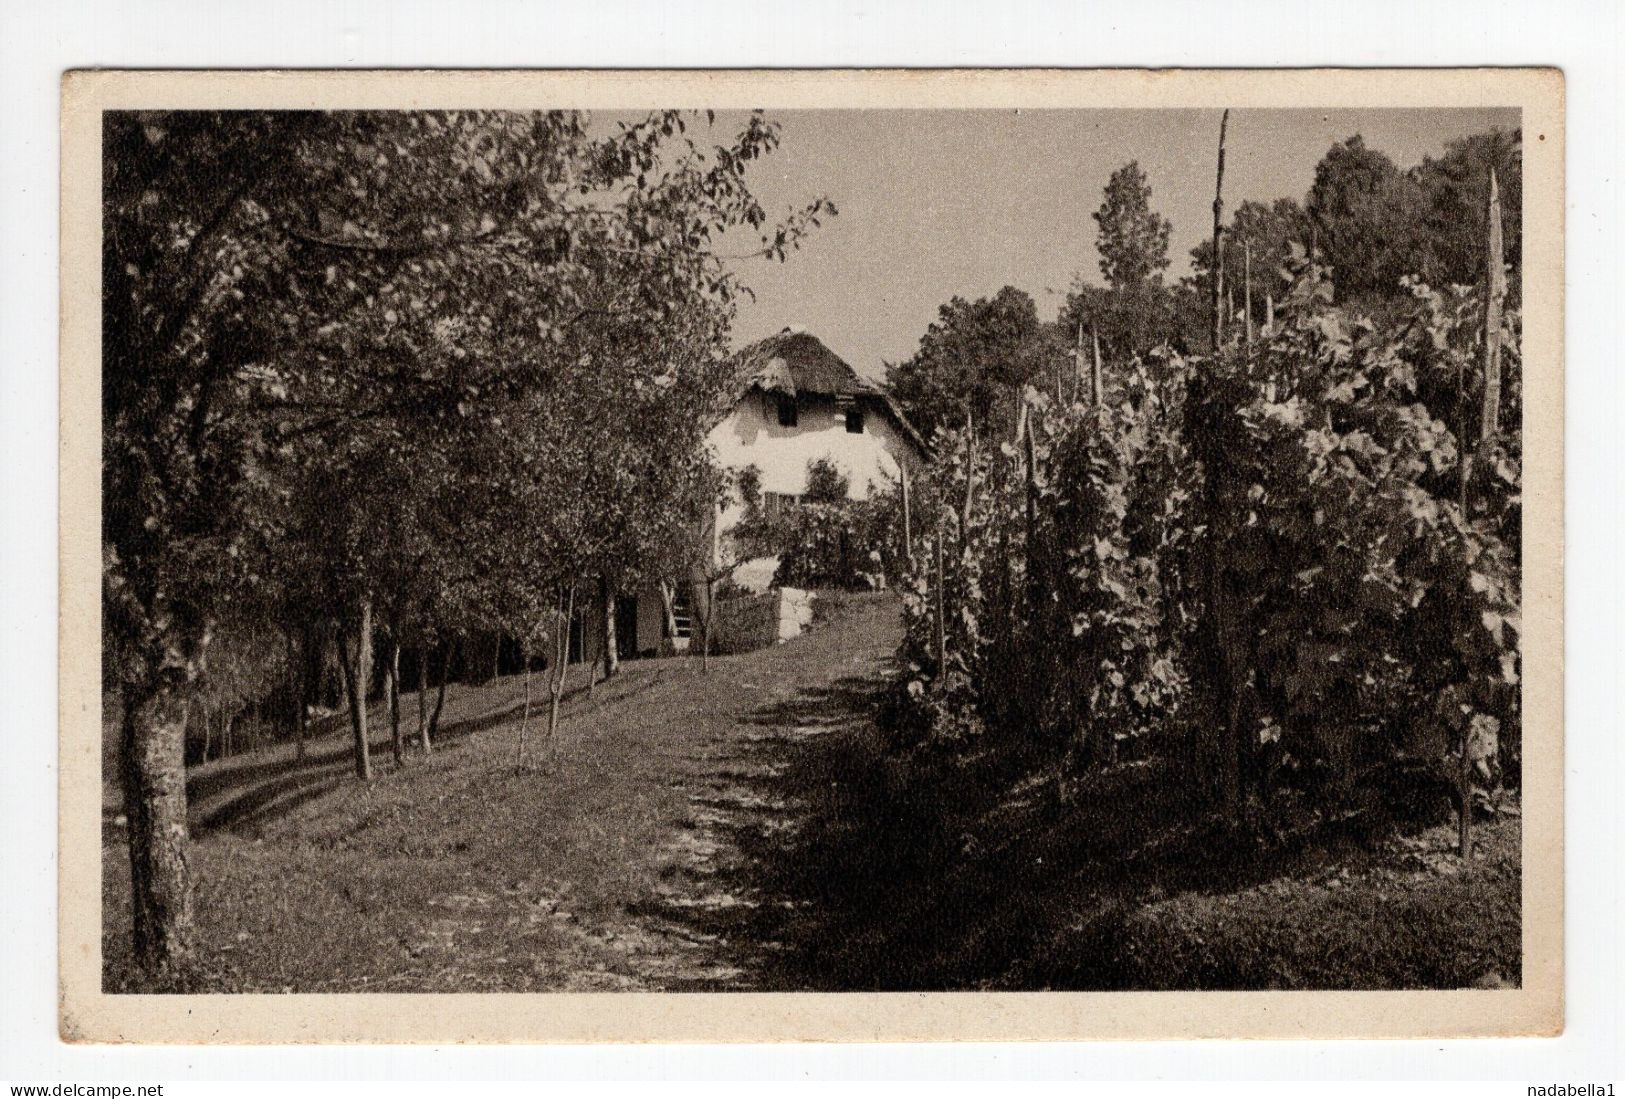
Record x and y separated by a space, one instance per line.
1133 239
1374 224
276 283
1268 233
1131 323
972 361
1456 190
1134 312
1366 216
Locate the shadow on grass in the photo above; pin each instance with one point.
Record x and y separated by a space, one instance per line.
861 867
848 897
911 873
250 791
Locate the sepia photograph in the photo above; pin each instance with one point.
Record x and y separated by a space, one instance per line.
564 542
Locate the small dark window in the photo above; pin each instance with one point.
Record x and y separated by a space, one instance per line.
854 421
787 412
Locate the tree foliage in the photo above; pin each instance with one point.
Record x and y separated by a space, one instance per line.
394 360
969 360
1133 239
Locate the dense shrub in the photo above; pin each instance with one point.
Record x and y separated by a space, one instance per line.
829 540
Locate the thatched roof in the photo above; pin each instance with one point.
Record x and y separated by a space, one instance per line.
795 363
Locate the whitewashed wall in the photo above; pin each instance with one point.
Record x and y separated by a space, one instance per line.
751 435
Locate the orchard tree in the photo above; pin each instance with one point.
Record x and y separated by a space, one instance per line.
275 281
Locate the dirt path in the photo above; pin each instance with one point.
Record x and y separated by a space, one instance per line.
644 851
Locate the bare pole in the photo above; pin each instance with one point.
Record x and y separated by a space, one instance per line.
1489 424
1247 290
1096 379
1495 288
908 524
1218 236
942 622
970 485
1077 362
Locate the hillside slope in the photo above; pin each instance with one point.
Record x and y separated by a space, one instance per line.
606 865
754 829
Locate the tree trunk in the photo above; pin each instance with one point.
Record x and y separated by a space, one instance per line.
612 654
295 686
1218 237
154 773
357 673
392 669
563 650
450 650
316 640
710 619
1464 797
423 699
668 610
307 643
556 688
1269 311
524 719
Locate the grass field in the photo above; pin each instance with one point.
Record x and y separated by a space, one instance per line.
751 829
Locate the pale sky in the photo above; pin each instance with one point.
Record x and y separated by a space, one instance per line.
938 203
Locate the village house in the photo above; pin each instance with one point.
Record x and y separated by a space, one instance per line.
801 402
797 402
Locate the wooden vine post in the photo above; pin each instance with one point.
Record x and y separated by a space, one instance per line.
1495 289
1247 290
942 622
1217 627
1489 423
1218 237
1096 380
908 522
1077 362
